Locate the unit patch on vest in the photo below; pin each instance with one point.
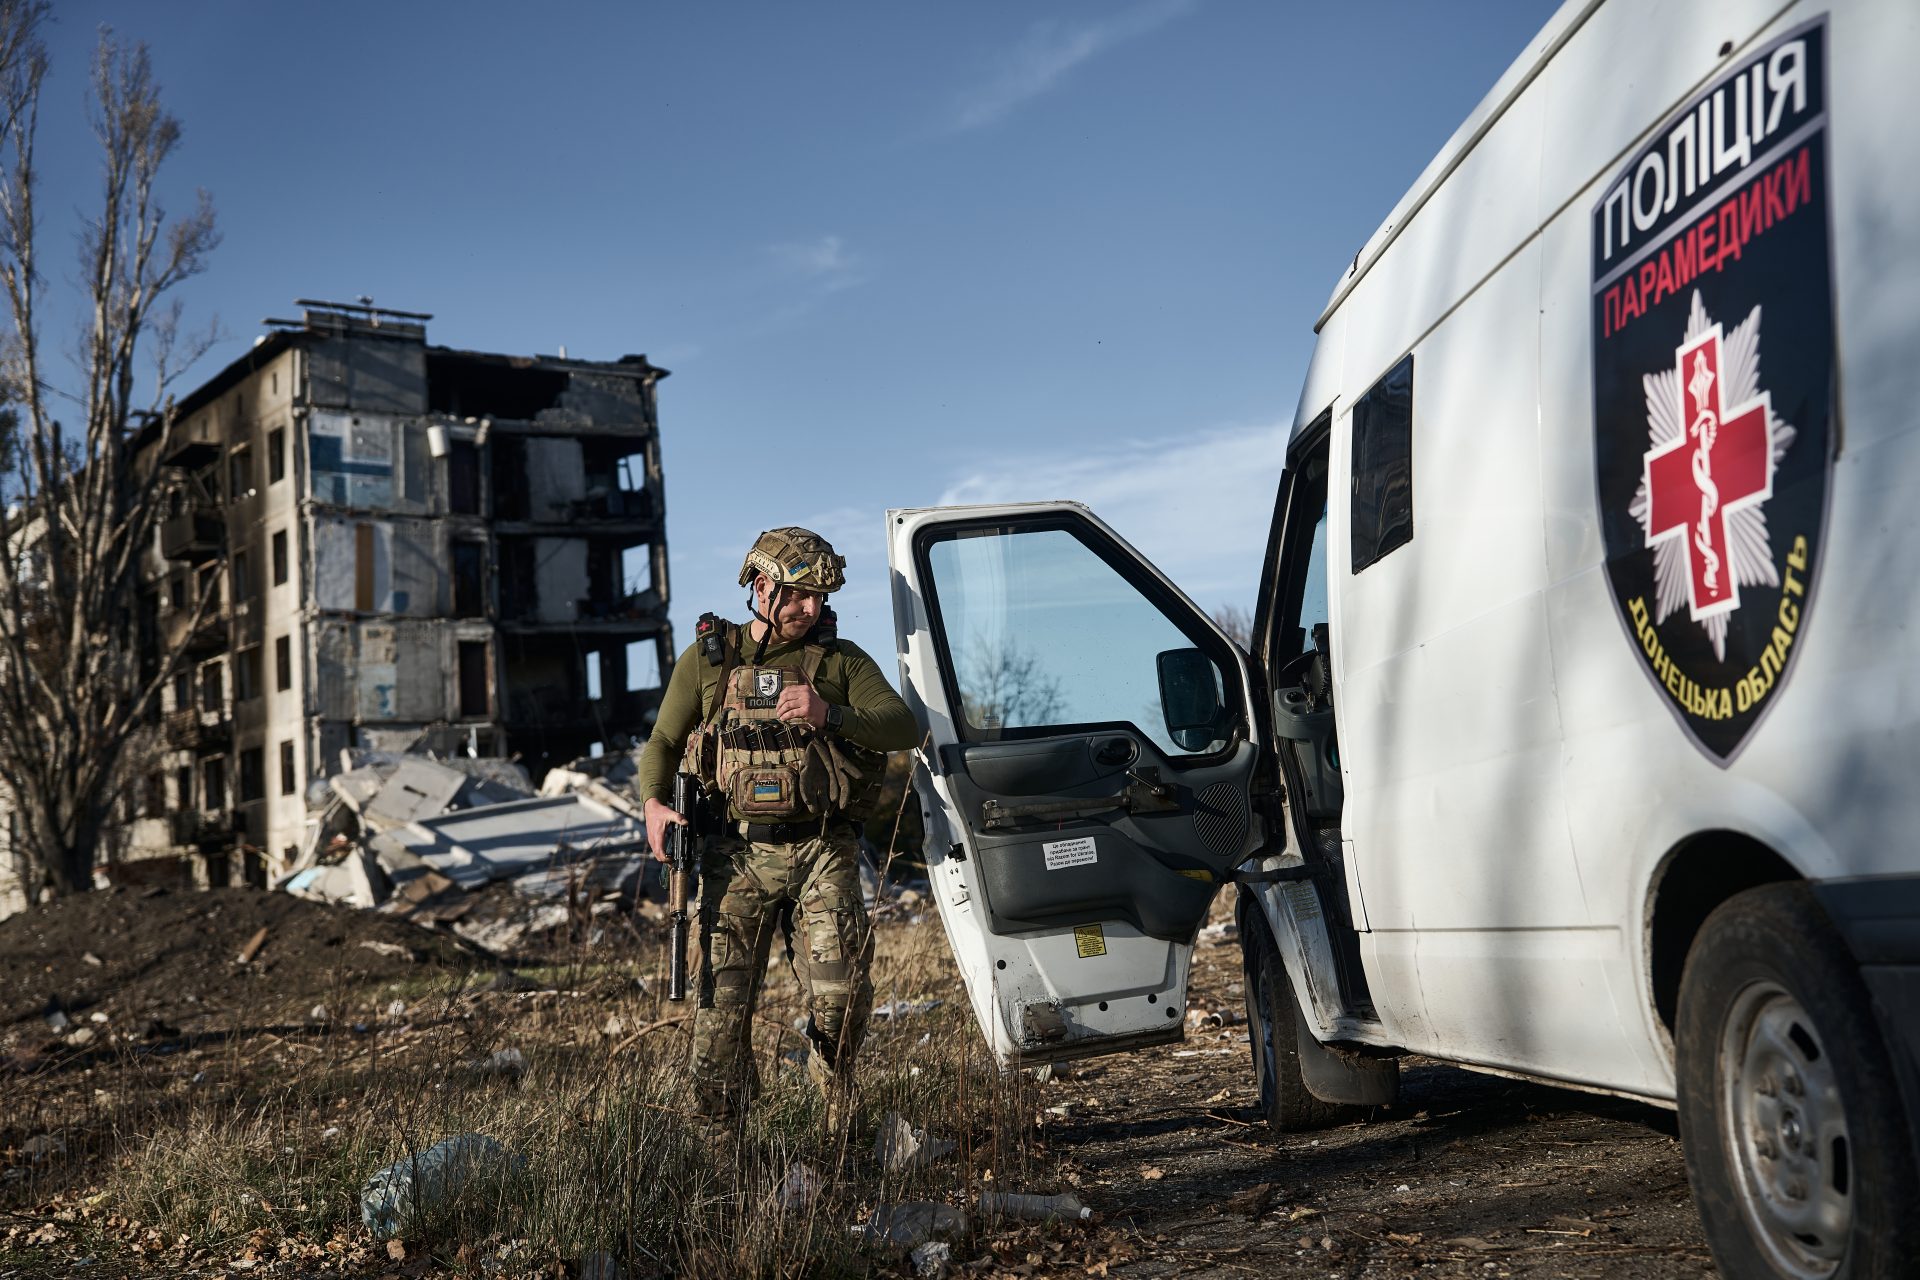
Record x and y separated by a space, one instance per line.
766 689
1713 383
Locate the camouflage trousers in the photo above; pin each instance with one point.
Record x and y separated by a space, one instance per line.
743 897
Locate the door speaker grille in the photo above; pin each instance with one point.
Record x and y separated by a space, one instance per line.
1220 818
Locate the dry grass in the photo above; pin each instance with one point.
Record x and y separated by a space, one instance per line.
608 1157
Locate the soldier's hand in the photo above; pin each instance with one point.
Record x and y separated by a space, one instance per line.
800 702
660 816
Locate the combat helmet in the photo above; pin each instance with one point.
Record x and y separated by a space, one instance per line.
794 557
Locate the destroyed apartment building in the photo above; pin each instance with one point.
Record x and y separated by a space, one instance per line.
409 548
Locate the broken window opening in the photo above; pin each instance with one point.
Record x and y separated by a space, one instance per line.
643 665
242 577
469 579
636 568
280 558
468 387
213 784
519 585
512 493
183 691
212 690
276 455
289 783
183 787
363 568
463 478
283 663
246 674
632 472
473 678
240 473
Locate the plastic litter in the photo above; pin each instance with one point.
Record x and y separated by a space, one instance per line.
908 1226
900 1146
392 1199
931 1258
1013 1204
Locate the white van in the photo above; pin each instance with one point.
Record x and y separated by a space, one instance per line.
1571 741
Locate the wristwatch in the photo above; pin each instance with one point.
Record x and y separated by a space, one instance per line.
836 716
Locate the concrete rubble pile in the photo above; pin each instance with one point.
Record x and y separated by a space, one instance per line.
422 837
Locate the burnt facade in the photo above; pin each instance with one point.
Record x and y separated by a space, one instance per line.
403 543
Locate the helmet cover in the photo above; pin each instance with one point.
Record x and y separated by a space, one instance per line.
794 557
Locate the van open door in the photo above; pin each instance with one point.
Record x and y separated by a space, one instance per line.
1091 751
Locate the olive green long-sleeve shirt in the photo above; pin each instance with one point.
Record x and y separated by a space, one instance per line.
876 717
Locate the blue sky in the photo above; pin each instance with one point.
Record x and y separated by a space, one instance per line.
895 254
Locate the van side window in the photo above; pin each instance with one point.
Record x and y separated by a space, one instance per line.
1383 467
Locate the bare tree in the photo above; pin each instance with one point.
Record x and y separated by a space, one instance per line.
1004 687
1237 622
82 504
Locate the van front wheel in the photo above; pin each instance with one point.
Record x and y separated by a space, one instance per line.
1273 1027
1796 1142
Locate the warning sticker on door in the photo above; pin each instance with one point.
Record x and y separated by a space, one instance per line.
1068 853
1089 940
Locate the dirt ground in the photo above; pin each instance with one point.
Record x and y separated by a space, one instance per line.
1470 1175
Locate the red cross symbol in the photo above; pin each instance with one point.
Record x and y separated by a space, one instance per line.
1722 461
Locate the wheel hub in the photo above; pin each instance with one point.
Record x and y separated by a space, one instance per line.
1783 1121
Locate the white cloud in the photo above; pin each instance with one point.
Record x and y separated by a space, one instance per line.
1197 505
826 262
1049 51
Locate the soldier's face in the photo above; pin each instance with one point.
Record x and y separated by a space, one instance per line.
797 613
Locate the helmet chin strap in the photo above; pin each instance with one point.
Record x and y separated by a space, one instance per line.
766 621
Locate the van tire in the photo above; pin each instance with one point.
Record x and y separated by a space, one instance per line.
1273 1029
1789 1105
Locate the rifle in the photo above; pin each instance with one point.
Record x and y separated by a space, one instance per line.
683 867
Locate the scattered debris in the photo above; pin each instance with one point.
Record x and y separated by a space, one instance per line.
318 1014
1013 1204
904 1008
87 957
1215 934
799 1189
418 837
394 1197
900 1146
253 945
509 1064
908 1226
931 1258
391 949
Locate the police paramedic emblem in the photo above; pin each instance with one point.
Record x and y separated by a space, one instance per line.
1712 447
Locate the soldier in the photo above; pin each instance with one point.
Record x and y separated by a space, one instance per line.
788 726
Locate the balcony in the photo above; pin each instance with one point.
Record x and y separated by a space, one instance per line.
198 639
201 830
193 444
194 730
193 536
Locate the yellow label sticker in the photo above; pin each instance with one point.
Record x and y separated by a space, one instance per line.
1195 873
1089 940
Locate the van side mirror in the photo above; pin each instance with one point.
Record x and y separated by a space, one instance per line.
1190 698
